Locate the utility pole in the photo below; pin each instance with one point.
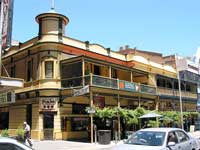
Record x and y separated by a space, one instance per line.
180 96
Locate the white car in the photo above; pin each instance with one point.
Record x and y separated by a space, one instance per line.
12 144
159 139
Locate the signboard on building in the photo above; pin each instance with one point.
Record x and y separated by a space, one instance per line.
48 104
81 91
91 110
128 86
6 17
99 101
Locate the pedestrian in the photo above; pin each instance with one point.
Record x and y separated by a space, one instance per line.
27 134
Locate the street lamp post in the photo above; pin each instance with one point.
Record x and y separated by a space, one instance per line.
180 96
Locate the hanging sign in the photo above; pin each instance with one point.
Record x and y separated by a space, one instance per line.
81 91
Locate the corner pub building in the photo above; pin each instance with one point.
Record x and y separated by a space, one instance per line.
55 67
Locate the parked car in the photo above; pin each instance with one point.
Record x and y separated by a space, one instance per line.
12 144
159 139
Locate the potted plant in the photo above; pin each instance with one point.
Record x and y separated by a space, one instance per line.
4 133
20 134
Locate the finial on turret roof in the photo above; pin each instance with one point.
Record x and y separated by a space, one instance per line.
52 5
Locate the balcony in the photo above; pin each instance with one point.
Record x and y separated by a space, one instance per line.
105 82
175 93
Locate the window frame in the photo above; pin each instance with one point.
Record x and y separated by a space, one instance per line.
30 70
13 71
186 137
46 63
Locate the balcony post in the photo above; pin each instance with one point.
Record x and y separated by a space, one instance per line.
157 102
131 76
139 90
110 72
91 116
118 84
91 79
118 118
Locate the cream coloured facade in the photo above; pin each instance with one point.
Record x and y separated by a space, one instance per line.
54 65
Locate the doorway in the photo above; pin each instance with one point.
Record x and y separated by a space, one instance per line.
48 125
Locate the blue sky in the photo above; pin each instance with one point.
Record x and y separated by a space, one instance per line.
164 26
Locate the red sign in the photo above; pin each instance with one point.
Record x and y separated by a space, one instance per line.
99 101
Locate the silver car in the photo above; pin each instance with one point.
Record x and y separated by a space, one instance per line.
12 144
159 139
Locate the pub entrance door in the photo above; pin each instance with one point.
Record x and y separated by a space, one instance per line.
48 126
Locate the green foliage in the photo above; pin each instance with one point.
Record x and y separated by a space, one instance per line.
123 112
5 133
152 123
173 115
20 131
190 114
139 111
106 112
87 71
132 116
129 115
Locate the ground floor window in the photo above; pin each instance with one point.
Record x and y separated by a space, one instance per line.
64 124
79 108
4 120
79 124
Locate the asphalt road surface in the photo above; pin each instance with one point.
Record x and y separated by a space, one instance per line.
68 145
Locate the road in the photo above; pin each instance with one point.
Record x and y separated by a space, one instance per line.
65 145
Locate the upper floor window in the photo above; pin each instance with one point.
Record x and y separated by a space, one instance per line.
49 69
30 70
13 71
97 70
114 73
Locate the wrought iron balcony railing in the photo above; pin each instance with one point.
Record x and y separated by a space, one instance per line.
175 93
106 82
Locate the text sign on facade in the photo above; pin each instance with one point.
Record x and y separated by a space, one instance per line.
81 91
48 103
128 86
91 111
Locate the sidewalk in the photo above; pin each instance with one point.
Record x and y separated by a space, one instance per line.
63 145
195 134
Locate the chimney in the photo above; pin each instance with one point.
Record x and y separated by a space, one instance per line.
121 48
126 47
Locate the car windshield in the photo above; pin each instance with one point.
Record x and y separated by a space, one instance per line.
148 138
20 143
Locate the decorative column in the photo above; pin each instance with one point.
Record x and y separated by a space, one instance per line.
110 72
91 106
131 76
